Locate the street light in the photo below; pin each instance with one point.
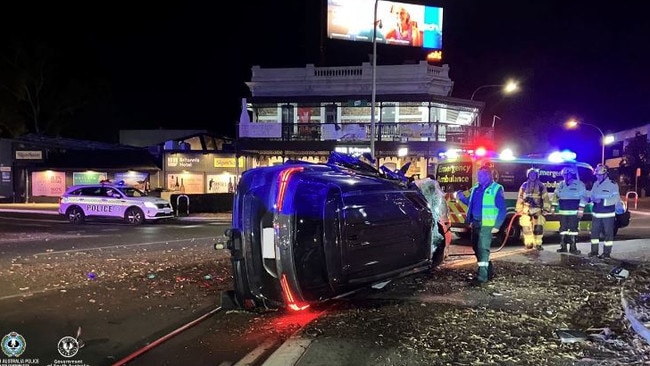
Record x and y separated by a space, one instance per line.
494 119
572 123
508 88
374 84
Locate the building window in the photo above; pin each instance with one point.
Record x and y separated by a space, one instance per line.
288 114
388 114
331 113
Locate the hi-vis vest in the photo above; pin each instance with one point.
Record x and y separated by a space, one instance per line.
489 210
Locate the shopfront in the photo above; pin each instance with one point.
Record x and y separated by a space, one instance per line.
198 173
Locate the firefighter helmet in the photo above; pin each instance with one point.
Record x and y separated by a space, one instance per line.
532 170
601 169
567 170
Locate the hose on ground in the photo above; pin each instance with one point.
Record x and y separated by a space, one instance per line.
506 234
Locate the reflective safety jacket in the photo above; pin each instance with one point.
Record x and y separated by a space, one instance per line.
608 194
570 197
534 194
493 205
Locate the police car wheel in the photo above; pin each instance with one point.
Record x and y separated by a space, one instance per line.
76 215
134 216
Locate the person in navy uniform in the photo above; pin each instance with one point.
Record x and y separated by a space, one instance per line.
570 197
603 197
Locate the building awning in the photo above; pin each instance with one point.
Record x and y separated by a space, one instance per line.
140 160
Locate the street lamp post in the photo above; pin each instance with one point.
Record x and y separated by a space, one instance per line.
373 96
494 119
573 124
508 88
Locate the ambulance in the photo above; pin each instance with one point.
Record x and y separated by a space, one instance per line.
456 170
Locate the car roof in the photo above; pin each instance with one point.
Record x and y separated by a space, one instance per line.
109 185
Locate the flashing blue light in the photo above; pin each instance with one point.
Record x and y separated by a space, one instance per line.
562 156
507 154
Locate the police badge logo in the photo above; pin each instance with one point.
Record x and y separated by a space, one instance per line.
68 346
13 344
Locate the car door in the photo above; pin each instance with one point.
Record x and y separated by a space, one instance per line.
381 233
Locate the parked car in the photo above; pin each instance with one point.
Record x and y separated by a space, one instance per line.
107 200
304 233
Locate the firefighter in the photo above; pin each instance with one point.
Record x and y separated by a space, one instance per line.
486 212
532 203
603 196
570 195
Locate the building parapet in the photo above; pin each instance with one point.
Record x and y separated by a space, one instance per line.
346 80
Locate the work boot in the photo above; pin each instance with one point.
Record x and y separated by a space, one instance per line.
607 251
594 250
572 245
482 274
562 244
490 271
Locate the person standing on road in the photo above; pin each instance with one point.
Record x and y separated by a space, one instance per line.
486 212
603 196
570 195
532 202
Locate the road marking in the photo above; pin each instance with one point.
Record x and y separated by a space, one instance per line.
211 238
643 213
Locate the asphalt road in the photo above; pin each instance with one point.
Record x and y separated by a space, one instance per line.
123 286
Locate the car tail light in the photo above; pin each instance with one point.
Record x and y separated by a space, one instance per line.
288 296
283 184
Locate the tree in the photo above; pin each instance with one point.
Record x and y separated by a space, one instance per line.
42 88
636 155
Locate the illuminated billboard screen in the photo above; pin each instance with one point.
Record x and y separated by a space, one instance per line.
397 23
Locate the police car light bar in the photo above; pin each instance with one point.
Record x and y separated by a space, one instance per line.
562 156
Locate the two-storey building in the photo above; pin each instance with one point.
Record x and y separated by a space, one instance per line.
305 113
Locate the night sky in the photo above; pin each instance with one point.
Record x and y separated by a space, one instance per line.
184 64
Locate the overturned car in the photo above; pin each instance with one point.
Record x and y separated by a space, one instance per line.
304 233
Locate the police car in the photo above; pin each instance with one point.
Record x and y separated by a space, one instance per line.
107 200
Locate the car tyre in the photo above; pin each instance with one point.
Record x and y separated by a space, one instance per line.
134 216
76 215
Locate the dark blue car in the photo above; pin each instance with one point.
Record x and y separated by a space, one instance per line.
304 233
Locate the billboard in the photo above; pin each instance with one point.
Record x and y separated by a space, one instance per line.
397 23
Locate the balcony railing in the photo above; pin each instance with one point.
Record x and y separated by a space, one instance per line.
393 131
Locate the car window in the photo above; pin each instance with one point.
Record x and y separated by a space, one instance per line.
91 191
133 192
76 192
454 176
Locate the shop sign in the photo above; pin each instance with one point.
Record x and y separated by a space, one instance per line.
5 174
180 161
29 155
227 162
81 178
48 183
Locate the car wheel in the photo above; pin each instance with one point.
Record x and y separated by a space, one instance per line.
134 216
75 215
